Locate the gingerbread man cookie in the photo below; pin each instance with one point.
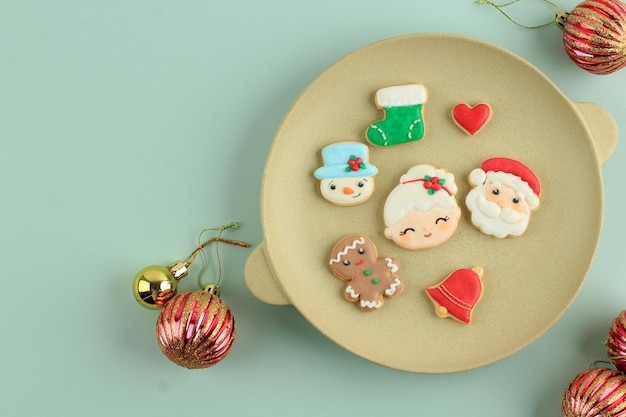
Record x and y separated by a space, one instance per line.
354 260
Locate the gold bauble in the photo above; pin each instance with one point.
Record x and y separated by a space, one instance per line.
154 285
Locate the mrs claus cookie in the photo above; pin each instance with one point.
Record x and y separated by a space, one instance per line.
354 260
505 194
421 212
347 177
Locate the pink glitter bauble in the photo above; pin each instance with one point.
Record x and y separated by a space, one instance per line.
597 392
195 329
616 342
594 35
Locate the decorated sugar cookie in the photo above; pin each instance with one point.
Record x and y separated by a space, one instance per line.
403 121
505 194
471 119
458 294
354 260
347 177
421 212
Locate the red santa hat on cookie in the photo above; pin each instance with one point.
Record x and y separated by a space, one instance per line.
511 173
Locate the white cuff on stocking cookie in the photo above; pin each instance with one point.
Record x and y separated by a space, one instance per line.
401 95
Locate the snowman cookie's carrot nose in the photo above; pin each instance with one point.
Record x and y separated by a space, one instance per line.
348 190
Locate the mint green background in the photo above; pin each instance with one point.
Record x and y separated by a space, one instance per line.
126 127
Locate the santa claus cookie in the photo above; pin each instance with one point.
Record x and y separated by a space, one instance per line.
421 211
505 194
354 260
347 177
458 294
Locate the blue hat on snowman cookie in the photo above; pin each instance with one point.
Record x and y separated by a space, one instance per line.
344 160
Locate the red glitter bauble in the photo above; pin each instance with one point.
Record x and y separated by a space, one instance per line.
597 392
594 35
616 342
195 329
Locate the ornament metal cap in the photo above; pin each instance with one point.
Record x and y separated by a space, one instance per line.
212 289
179 269
560 18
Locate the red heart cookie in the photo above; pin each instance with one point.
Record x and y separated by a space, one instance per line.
471 119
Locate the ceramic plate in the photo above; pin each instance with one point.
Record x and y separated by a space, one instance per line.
529 281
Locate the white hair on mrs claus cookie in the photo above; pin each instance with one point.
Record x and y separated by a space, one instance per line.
411 194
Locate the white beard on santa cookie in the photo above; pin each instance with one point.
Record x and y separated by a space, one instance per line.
493 220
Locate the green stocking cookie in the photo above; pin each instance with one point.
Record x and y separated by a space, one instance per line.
403 121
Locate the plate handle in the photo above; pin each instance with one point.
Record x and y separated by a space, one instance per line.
603 129
260 279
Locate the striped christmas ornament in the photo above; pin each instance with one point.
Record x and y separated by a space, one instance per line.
195 329
597 392
594 35
616 342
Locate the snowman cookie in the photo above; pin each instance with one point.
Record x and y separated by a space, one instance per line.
354 260
421 212
347 177
505 194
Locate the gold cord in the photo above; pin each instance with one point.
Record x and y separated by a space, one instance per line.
499 8
217 239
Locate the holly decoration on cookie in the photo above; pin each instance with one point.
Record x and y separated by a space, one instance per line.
433 184
355 164
354 260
